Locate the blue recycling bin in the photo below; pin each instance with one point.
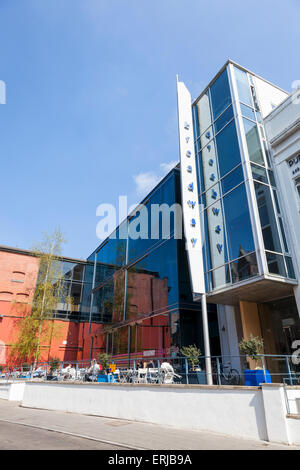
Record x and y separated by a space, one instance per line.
106 378
256 377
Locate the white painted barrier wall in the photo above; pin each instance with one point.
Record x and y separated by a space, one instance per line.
293 424
235 411
12 391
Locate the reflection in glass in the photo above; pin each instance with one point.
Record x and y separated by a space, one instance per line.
247 112
244 268
234 178
259 173
228 149
243 86
239 230
220 94
267 217
223 119
220 277
253 142
290 267
275 264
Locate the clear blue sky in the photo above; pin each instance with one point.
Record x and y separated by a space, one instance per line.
91 97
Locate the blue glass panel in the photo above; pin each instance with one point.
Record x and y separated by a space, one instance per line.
259 174
228 149
232 179
239 230
267 217
164 194
253 142
220 94
110 257
223 119
243 86
153 281
247 112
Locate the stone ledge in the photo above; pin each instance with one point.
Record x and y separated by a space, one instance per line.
131 385
293 416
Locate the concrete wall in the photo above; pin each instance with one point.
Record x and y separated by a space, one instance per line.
12 391
293 424
236 411
249 412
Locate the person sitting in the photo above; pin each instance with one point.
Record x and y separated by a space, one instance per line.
93 370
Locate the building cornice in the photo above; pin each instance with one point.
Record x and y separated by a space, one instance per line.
21 251
287 132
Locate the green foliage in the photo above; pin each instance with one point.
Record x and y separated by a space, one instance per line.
54 363
104 360
252 347
37 328
192 353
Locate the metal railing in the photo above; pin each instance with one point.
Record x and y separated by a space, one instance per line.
226 370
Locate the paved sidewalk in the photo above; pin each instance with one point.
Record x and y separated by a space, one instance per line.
112 433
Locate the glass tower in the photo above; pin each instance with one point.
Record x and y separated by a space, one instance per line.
243 225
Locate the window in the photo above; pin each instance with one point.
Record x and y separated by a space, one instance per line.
228 149
243 86
267 218
220 94
238 224
253 142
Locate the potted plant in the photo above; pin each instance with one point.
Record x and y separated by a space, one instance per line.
192 353
54 364
252 348
105 359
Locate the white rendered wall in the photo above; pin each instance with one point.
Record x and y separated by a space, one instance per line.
283 132
249 412
235 412
12 391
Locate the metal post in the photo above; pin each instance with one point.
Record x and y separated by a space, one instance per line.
289 369
208 369
264 367
186 371
76 370
218 370
31 371
158 371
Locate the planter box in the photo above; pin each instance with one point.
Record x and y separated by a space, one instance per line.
106 378
197 377
256 377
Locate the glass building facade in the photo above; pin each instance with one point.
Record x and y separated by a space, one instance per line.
139 289
239 206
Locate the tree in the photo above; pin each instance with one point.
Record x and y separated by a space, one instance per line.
104 360
192 354
252 347
37 326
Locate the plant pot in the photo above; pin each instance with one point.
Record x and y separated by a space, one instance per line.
256 377
201 376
